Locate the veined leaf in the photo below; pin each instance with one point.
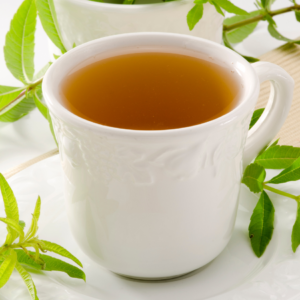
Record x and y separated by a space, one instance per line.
230 7
7 267
19 43
261 224
254 177
278 157
296 231
42 71
49 22
228 45
275 34
14 226
239 34
18 109
37 96
22 224
35 218
194 15
28 281
255 117
8 93
292 173
59 250
10 206
51 264
217 7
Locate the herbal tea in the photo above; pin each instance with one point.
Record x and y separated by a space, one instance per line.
150 91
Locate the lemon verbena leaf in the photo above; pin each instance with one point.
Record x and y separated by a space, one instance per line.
14 226
28 281
7 267
19 43
59 250
35 218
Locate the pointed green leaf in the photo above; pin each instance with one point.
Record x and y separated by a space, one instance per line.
35 218
254 177
255 117
28 281
42 71
51 127
297 15
194 15
278 157
8 94
19 43
292 173
37 96
51 264
49 22
59 250
22 224
217 7
7 267
274 144
296 231
230 7
239 34
261 224
275 34
267 3
10 206
228 45
12 224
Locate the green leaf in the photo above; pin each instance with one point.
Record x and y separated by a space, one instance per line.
267 3
255 117
10 206
51 127
296 231
42 107
261 224
292 173
274 144
278 157
19 42
230 7
275 34
217 7
22 224
18 109
254 177
35 218
128 1
59 250
239 34
49 22
12 224
7 267
57 56
28 281
228 45
297 15
194 15
51 264
9 93
42 71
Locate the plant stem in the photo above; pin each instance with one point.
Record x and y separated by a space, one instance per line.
281 193
26 90
260 17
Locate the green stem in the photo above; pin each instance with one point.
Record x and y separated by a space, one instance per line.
26 90
276 191
261 17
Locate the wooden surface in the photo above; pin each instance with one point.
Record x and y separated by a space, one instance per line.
288 57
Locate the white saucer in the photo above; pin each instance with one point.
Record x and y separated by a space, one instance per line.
235 275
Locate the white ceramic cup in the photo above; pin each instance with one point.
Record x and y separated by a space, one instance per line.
158 204
81 21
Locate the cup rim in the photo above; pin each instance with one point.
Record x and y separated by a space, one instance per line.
56 108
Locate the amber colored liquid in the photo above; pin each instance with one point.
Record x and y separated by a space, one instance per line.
150 91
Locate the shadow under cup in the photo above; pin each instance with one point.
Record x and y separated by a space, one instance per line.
151 204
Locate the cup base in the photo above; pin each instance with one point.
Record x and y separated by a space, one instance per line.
154 278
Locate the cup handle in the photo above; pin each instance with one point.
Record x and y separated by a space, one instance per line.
276 111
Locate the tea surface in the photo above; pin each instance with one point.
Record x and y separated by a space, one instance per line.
150 91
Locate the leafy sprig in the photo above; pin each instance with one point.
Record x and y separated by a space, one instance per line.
14 253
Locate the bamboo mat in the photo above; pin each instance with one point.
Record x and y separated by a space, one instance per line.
288 57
